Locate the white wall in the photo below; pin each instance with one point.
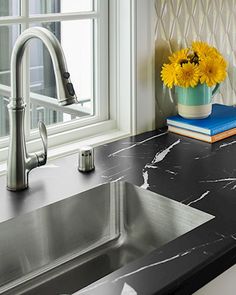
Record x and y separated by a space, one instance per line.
178 22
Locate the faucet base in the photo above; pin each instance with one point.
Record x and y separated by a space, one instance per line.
14 189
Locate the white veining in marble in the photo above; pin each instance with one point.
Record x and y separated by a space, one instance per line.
151 265
233 237
161 155
157 158
136 144
179 255
186 199
204 157
227 144
171 172
228 180
151 166
198 199
206 253
228 184
212 153
219 180
145 185
221 235
128 290
178 166
166 260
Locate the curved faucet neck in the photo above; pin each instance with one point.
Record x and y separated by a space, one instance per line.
58 60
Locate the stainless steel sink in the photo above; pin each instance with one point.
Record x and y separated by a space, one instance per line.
66 246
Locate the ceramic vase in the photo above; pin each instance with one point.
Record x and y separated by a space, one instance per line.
195 102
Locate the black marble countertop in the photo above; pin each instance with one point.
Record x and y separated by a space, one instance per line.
192 172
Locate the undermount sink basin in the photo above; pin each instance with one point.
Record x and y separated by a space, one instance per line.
66 246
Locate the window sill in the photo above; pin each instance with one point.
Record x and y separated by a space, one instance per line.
73 147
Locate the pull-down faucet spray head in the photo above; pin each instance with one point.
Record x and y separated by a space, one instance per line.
65 90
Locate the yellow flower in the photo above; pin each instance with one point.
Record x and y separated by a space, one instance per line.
179 56
201 63
200 46
202 49
222 62
168 74
188 75
212 71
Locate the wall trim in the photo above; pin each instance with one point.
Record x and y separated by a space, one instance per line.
144 21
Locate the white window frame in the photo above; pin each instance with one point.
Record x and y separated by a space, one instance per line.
131 43
132 72
100 17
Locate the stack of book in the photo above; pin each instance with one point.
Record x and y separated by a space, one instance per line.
219 125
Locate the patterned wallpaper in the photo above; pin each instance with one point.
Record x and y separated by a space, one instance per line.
181 21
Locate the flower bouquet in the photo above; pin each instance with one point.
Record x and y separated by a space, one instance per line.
196 73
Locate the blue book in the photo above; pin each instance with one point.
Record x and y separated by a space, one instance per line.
221 119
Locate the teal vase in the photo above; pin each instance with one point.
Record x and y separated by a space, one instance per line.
195 102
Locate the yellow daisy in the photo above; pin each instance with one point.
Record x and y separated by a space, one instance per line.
222 62
212 71
179 56
188 75
215 54
203 50
200 63
168 74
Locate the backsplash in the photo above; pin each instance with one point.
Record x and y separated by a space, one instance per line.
178 23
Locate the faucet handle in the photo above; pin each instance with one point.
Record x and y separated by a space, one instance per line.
42 156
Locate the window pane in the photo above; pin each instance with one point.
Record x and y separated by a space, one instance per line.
4 118
8 35
46 114
9 7
79 56
59 6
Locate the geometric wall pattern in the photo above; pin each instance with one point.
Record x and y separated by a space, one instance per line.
178 23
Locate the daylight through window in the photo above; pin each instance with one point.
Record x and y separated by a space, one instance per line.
81 28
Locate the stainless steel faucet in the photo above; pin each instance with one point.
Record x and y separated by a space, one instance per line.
20 162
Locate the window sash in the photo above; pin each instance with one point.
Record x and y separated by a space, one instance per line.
124 84
100 97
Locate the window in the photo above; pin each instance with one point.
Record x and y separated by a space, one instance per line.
82 28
